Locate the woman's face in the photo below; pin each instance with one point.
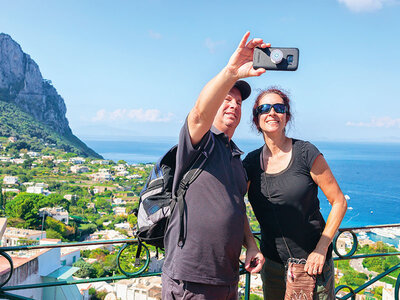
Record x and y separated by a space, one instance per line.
272 122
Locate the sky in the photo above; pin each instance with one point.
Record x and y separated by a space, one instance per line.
133 69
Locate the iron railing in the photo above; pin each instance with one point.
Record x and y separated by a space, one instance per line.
352 255
141 263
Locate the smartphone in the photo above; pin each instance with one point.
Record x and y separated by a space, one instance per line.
276 58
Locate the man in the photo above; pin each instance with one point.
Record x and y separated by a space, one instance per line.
206 265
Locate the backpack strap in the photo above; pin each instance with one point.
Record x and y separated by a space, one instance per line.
189 177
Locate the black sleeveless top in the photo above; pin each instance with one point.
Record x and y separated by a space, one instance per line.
293 210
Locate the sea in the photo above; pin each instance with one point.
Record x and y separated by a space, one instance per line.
367 173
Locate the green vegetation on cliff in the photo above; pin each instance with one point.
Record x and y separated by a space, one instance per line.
35 136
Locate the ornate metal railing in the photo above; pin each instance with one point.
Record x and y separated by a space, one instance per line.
140 263
352 255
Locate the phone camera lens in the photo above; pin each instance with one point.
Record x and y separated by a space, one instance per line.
276 56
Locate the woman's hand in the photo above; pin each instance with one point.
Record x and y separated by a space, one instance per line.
241 62
315 262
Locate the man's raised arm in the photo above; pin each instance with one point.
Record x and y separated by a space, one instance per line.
240 65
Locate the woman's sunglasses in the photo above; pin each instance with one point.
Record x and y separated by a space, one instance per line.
279 108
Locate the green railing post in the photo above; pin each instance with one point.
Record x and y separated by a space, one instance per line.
396 289
9 296
247 287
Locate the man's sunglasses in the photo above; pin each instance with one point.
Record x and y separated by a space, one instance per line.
279 108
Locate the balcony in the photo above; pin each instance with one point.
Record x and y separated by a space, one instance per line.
347 247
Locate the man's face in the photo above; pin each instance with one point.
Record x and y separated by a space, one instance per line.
230 111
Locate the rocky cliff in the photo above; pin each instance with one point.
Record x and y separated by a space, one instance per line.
22 84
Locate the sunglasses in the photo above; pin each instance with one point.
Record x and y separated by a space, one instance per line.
279 108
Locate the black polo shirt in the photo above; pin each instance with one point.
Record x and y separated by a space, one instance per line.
214 215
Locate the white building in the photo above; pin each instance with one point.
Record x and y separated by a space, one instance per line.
10 180
101 176
18 161
42 184
59 161
125 226
5 190
139 288
388 292
58 213
18 236
122 173
33 154
40 266
119 211
79 169
134 176
119 168
107 235
5 159
48 157
100 162
118 201
70 255
104 171
77 160
35 190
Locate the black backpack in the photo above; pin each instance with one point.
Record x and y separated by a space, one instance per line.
156 201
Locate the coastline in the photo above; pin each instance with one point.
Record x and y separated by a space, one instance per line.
367 173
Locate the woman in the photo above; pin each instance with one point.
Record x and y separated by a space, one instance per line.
284 176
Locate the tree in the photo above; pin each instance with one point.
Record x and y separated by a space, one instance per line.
132 220
52 234
102 203
24 206
54 200
85 269
66 232
98 267
2 198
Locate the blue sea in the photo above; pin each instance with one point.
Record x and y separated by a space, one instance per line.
368 173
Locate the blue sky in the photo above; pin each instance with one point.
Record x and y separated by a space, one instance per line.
129 69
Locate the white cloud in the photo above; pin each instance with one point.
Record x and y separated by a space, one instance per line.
386 122
155 35
212 45
134 115
365 5
100 115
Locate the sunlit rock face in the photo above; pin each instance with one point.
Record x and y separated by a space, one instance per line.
22 83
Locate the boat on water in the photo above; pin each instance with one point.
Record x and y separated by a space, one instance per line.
362 235
385 232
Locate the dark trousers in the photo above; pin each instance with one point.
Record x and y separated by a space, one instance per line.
184 290
274 286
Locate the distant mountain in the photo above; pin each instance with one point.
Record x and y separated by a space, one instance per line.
23 87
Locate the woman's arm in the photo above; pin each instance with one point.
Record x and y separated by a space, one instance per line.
323 177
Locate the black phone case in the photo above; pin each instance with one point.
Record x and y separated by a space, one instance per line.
262 59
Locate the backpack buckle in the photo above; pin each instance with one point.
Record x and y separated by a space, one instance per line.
183 185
